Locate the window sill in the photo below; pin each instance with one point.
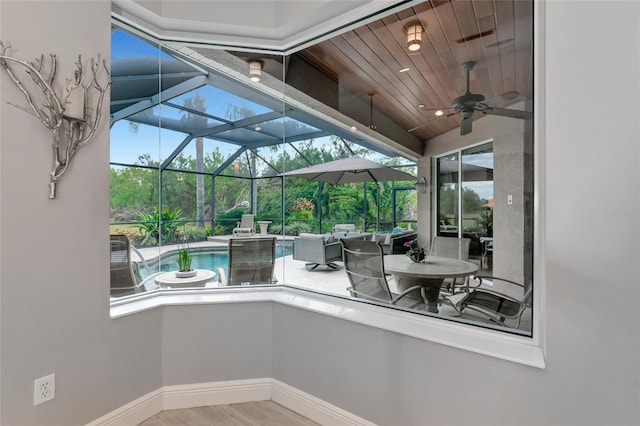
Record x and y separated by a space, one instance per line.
492 343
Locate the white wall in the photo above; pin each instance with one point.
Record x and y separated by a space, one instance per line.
54 317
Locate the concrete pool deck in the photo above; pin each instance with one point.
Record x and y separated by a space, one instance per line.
287 270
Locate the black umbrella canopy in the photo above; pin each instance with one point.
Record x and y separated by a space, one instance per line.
348 170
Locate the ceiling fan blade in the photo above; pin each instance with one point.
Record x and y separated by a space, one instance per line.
421 126
507 98
431 121
513 113
465 124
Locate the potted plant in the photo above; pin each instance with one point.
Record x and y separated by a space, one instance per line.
415 252
184 262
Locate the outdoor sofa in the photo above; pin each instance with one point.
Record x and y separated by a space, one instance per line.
394 243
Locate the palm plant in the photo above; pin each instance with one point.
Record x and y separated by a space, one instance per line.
157 224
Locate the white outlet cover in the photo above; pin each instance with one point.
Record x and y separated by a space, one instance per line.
44 389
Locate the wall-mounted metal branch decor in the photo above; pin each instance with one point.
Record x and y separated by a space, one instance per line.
72 116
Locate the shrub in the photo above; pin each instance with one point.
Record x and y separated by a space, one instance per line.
193 233
296 228
156 225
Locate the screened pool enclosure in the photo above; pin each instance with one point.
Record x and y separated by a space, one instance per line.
195 143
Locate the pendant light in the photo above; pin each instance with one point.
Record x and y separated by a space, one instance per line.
255 70
414 37
371 125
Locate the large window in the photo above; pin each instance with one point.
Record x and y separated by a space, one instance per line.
197 142
194 148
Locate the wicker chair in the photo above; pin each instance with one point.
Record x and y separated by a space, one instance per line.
496 306
125 276
251 261
364 265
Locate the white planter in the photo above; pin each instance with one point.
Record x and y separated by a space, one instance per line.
186 274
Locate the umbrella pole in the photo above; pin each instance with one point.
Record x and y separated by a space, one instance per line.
378 207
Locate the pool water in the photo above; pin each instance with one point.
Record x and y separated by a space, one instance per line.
211 260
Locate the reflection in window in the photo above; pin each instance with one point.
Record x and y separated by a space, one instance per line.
193 149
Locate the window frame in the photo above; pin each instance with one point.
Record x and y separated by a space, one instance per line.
523 350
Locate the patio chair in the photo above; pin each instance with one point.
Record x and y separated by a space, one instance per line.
497 306
251 261
125 275
246 227
316 250
454 248
364 265
487 253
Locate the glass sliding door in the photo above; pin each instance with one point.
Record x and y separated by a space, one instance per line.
465 199
448 199
477 190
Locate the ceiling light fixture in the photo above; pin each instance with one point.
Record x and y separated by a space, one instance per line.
414 37
255 70
404 69
439 113
420 105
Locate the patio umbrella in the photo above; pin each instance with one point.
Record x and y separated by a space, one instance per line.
350 170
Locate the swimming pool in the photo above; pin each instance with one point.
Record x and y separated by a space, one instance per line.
211 259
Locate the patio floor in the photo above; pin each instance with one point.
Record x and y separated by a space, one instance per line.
293 272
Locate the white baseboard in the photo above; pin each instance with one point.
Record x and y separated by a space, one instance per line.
313 408
134 412
229 392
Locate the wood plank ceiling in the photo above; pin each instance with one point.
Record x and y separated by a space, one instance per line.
497 34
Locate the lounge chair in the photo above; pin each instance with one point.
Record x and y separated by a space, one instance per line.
251 261
246 227
496 306
125 275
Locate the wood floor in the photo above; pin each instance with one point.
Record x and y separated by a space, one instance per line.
259 413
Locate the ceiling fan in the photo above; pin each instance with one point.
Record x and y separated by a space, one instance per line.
469 103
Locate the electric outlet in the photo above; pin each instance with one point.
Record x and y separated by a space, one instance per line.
44 389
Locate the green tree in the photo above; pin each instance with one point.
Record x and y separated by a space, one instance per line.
197 121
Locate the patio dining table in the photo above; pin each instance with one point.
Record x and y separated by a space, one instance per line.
429 274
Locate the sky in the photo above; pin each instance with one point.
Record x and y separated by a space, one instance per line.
128 144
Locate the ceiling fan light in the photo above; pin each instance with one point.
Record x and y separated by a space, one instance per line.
255 70
414 37
439 113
